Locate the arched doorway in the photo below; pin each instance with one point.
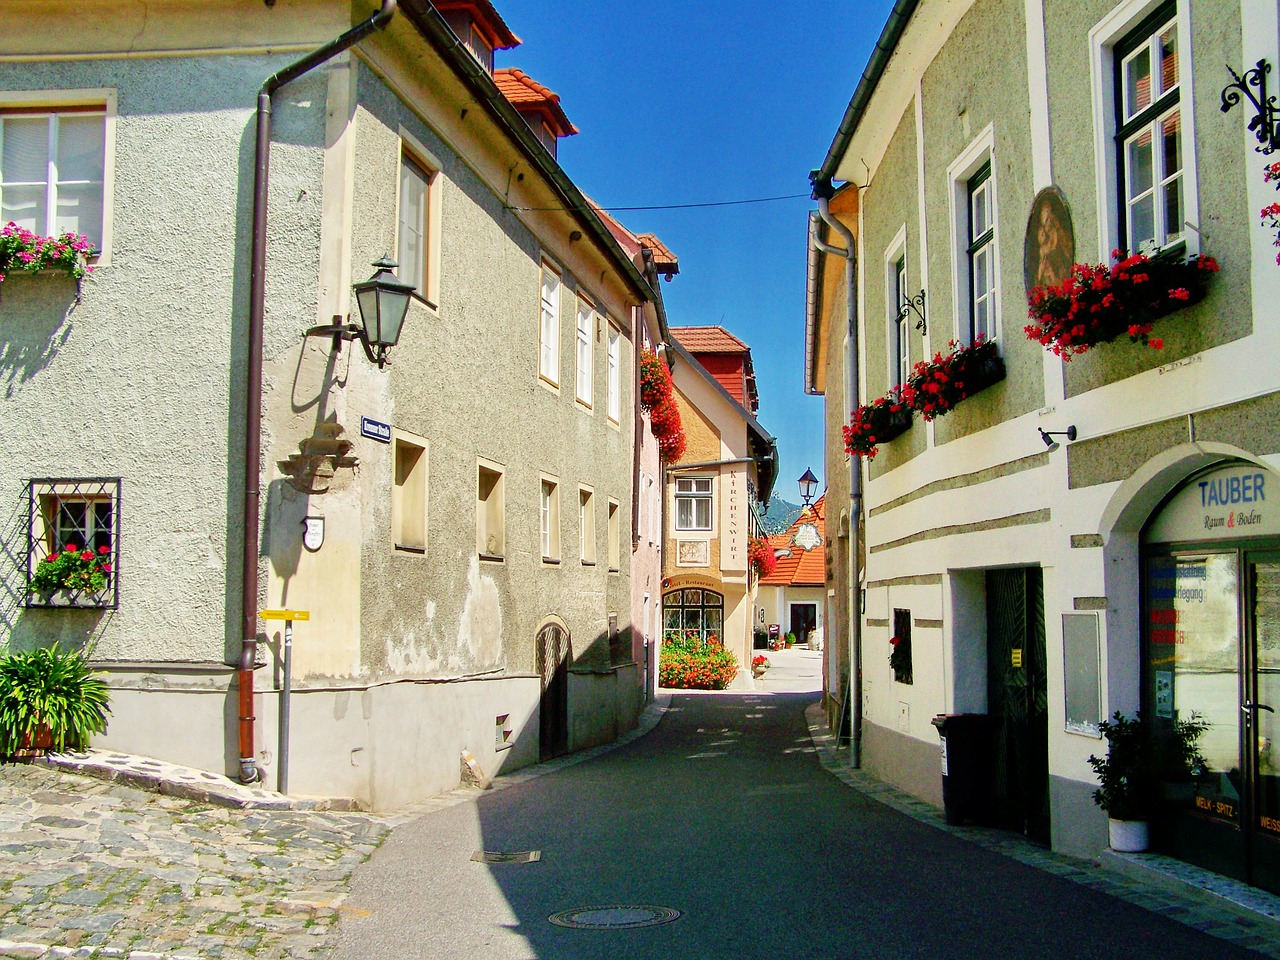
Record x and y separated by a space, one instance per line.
1211 654
554 653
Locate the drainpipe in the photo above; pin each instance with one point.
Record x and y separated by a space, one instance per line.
249 772
822 193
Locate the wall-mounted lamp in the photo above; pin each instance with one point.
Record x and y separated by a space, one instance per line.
808 486
1048 435
383 301
1265 123
914 305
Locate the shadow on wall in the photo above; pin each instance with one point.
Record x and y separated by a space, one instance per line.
35 322
26 629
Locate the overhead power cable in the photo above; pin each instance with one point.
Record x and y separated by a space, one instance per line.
673 206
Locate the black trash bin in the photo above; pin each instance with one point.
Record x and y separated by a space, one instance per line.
968 766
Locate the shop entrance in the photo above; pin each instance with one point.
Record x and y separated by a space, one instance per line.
1211 680
1017 700
804 618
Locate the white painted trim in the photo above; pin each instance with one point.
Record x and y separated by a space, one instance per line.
979 151
1102 39
897 250
1038 96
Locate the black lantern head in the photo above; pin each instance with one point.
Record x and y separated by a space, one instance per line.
808 486
383 300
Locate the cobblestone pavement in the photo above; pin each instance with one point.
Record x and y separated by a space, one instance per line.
97 869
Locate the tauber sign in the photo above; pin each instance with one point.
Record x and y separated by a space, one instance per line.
1232 502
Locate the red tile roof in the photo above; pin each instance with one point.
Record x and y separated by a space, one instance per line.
708 340
666 261
801 568
486 19
530 97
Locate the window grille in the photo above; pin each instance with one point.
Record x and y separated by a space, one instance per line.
74 513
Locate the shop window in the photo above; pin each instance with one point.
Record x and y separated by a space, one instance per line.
490 511
73 543
697 614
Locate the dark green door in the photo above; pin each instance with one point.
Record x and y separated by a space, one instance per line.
1017 700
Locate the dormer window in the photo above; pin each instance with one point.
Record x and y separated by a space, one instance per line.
478 25
539 106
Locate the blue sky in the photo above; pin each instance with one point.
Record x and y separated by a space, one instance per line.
711 101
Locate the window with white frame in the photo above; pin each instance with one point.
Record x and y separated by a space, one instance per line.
613 380
1149 127
52 170
899 319
549 517
654 513
549 351
417 223
982 254
586 329
693 503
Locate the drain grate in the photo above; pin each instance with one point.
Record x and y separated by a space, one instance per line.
493 856
615 916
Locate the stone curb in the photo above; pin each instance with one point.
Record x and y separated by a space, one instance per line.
40 951
1150 881
187 783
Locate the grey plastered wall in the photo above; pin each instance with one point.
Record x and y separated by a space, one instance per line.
889 203
910 764
979 78
1225 217
465 378
142 378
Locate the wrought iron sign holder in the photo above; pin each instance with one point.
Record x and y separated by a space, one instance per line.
914 305
1265 124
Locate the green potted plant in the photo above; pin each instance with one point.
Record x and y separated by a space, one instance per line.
1125 782
51 700
79 573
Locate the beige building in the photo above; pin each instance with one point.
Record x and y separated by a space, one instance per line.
793 598
712 494
455 518
1060 540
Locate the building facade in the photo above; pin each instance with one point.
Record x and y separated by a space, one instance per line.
793 598
455 523
1066 539
713 494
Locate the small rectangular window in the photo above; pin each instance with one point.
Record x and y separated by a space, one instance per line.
52 171
409 496
614 374
73 529
615 536
549 350
585 338
586 525
490 510
549 519
693 503
900 647
901 322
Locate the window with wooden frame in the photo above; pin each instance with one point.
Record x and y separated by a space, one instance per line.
585 339
549 519
549 333
53 170
1148 137
418 222
73 543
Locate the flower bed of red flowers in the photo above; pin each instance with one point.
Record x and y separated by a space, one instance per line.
30 252
657 396
874 423
1271 212
936 386
690 663
1097 303
761 557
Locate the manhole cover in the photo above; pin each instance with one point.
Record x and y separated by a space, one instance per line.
492 856
615 916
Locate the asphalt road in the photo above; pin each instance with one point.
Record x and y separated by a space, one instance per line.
724 814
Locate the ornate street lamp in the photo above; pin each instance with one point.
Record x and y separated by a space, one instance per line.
808 486
383 301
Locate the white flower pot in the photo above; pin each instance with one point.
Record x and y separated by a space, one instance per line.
1128 836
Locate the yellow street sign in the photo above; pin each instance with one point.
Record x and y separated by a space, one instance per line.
285 614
